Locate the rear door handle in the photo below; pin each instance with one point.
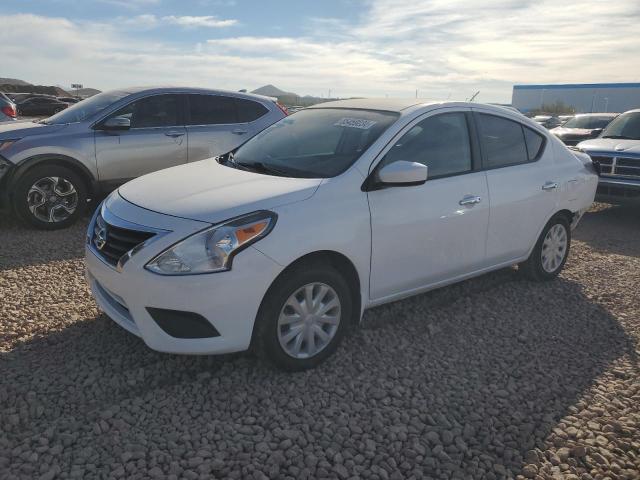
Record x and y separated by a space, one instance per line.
239 131
469 200
174 134
548 186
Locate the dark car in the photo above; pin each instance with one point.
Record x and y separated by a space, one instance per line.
70 100
36 106
583 127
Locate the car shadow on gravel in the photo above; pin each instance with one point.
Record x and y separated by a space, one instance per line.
22 246
463 380
611 229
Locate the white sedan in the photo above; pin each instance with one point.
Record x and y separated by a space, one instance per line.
282 244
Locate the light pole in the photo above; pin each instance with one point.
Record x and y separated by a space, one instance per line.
606 104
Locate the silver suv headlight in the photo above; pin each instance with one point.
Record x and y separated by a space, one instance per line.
213 249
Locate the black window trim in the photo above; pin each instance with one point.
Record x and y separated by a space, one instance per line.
370 183
187 117
476 120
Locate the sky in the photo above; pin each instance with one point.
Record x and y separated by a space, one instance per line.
444 49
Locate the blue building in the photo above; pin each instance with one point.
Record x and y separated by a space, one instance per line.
584 98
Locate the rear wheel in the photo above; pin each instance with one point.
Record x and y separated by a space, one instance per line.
551 251
303 317
50 197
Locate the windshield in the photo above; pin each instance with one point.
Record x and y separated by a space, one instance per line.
314 143
86 108
588 122
625 127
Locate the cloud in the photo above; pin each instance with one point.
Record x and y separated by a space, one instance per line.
441 47
208 21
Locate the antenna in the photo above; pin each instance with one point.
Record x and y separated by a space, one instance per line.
473 97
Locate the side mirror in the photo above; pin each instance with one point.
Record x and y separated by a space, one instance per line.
116 123
403 173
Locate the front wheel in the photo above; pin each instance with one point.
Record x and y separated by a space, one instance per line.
303 317
551 251
50 197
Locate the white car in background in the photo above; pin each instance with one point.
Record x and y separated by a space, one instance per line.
282 244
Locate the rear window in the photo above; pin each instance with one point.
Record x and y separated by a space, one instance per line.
248 110
534 141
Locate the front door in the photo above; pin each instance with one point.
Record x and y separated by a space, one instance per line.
426 234
156 140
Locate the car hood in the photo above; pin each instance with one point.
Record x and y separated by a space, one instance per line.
210 192
26 129
571 131
611 145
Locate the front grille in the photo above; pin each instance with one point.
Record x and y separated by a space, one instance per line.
112 242
619 166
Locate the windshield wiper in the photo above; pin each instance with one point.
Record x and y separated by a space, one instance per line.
618 137
263 168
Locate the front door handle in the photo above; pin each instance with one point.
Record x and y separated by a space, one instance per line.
548 186
239 131
174 134
470 200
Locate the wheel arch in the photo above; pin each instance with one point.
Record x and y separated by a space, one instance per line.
58 160
564 212
338 261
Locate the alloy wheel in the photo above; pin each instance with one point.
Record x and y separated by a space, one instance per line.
52 199
309 320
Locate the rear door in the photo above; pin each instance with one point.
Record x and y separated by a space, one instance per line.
156 139
523 184
217 124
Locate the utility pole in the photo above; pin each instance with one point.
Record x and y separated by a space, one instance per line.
416 93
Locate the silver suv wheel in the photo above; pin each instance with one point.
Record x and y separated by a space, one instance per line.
52 199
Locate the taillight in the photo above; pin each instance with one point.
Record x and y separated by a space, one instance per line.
9 110
283 108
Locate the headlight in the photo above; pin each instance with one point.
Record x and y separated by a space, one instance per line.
213 249
4 144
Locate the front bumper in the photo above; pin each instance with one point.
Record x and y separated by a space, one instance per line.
618 190
228 300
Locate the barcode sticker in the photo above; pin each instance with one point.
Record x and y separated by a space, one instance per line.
360 123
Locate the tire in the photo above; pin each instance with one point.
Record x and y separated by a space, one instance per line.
269 333
50 179
535 268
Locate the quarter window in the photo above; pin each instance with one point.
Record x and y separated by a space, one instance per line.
502 141
535 142
212 110
440 142
248 110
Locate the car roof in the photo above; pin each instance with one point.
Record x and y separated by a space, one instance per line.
385 104
178 89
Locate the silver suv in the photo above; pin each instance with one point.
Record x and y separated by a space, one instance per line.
49 169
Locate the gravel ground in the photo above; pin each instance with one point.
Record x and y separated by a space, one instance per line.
493 378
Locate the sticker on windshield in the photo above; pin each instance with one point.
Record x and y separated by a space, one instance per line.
360 123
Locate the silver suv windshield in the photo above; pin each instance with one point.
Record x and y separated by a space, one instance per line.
86 108
313 143
624 127
589 121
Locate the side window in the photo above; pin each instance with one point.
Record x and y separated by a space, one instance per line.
502 141
211 110
440 142
248 110
535 142
154 111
